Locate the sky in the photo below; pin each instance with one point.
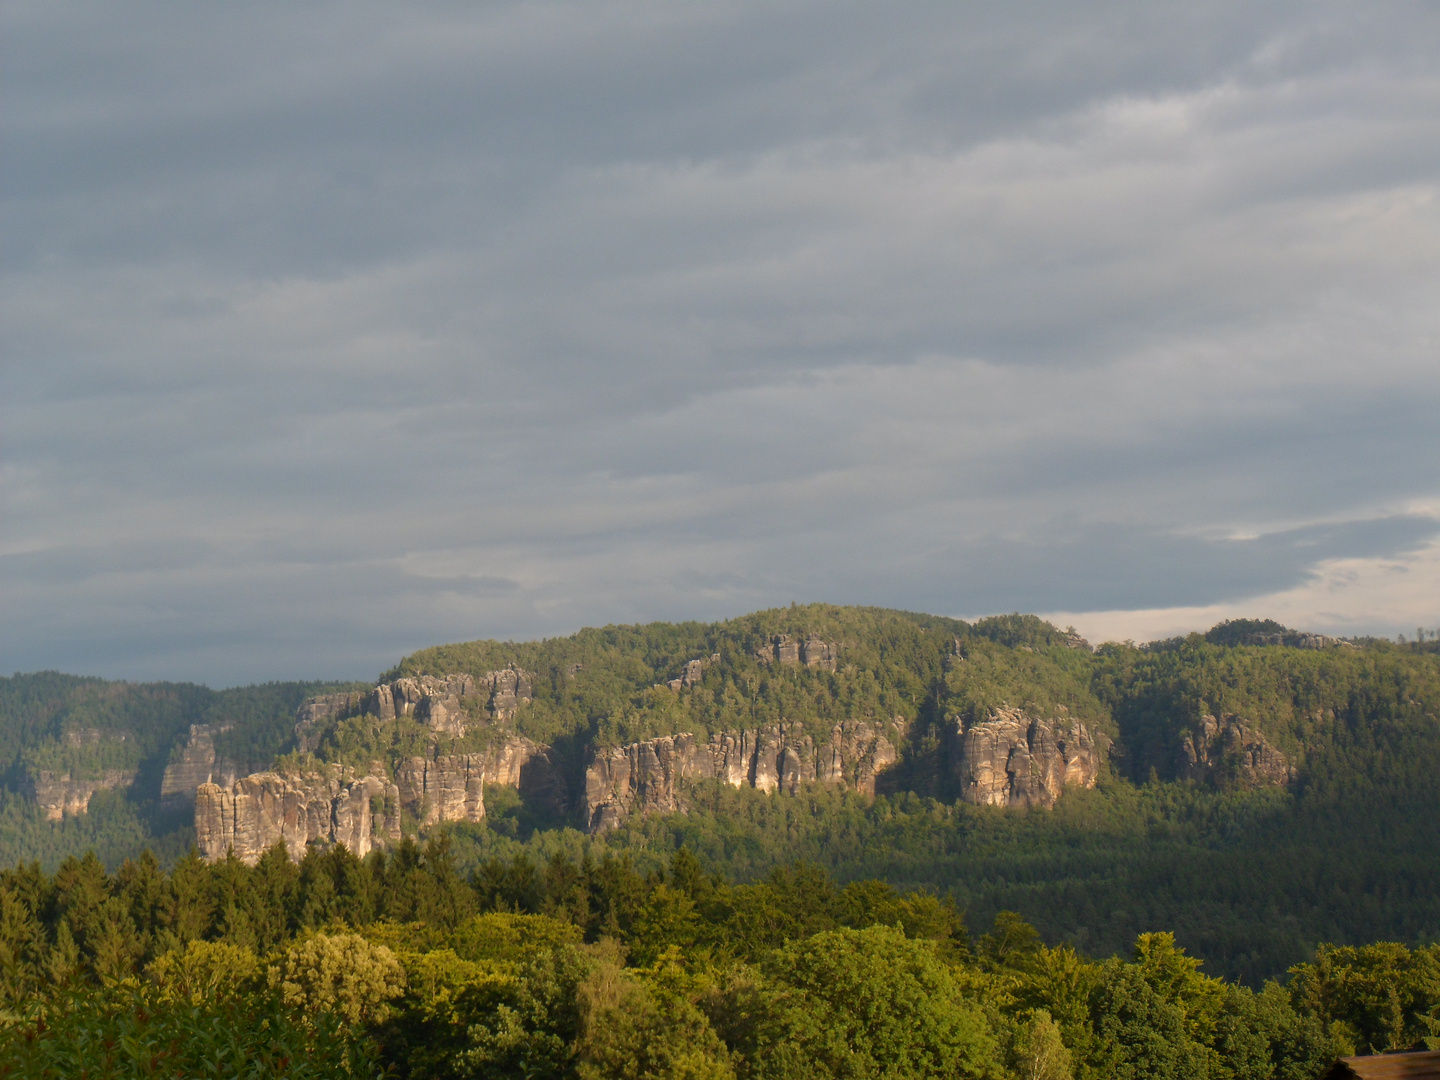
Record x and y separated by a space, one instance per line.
331 331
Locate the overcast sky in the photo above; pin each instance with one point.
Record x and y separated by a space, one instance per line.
336 330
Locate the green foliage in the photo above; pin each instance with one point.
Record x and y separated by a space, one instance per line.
644 1025
822 933
1040 1051
340 973
593 969
82 728
204 971
868 1003
133 1030
1382 996
1243 631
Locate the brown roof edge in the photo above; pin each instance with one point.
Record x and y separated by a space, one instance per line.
1421 1065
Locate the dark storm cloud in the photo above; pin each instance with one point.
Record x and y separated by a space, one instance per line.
332 331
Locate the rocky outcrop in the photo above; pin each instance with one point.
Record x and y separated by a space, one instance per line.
317 714
59 794
1014 759
1230 751
691 674
1298 639
445 788
196 765
812 652
327 807
450 787
441 701
331 806
445 703
646 776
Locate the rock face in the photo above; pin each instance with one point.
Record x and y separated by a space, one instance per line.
331 806
328 806
643 775
1013 759
812 652
1230 751
445 788
60 794
451 787
691 674
318 713
646 775
197 765
1298 639
443 702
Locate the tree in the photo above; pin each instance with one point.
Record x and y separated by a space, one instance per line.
204 971
869 1003
340 973
1040 1052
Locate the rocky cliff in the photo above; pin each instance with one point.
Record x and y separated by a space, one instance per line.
328 806
59 794
1014 759
445 703
646 776
812 652
331 806
196 765
1230 750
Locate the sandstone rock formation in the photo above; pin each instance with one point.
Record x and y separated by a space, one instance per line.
443 702
812 652
445 788
643 775
60 794
1013 759
316 715
1229 750
691 674
1298 639
646 775
450 787
197 765
329 806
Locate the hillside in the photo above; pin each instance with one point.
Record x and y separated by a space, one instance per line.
1256 790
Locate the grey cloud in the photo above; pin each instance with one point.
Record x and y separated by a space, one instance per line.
333 331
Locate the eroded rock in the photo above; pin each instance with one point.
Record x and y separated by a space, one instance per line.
60 795
1017 760
444 703
647 775
812 652
1231 750
197 765
316 715
328 806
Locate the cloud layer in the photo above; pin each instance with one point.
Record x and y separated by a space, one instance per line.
334 331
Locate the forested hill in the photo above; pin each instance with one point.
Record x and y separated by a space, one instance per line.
1256 790
70 744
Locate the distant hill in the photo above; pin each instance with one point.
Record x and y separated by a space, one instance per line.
1256 789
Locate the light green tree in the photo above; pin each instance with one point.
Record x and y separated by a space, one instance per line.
339 973
1040 1053
203 971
